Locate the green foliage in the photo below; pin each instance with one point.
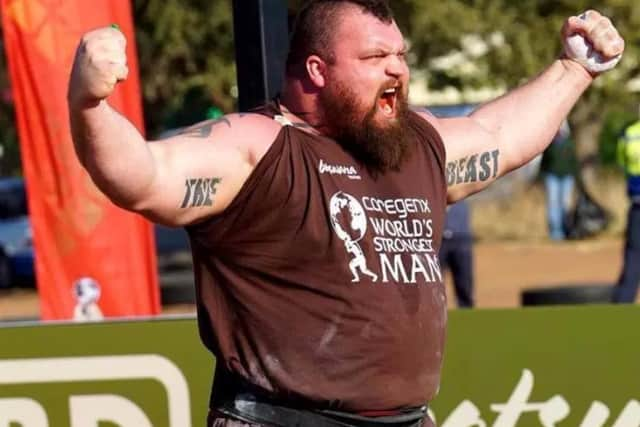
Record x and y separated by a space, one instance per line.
186 57
614 124
517 40
520 37
10 158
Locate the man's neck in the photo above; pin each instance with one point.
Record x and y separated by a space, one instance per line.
301 108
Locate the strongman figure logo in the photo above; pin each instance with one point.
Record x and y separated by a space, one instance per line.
350 224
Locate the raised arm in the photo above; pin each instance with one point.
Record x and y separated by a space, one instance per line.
175 181
506 133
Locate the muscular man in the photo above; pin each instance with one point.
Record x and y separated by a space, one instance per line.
296 341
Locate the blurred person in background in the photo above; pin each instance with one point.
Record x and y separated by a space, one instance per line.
288 206
559 167
456 252
629 158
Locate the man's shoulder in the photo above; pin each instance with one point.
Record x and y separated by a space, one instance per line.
251 133
427 120
237 129
253 123
422 114
254 132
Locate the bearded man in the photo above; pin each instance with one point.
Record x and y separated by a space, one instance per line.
273 199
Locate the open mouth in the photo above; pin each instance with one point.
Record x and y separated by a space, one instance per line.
387 102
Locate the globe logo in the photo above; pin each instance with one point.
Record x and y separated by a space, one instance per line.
349 221
347 217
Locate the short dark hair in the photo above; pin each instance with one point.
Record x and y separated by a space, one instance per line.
316 23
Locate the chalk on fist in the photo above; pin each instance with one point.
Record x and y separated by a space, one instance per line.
589 38
100 63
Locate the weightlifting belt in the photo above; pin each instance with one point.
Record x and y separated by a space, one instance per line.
239 400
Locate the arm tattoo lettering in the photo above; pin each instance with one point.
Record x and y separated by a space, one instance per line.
203 130
199 192
473 168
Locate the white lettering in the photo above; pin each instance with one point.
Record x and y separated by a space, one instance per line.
385 244
91 410
429 225
22 411
396 270
106 368
378 226
393 269
402 228
417 266
417 227
465 415
337 169
400 207
550 412
434 265
596 416
630 416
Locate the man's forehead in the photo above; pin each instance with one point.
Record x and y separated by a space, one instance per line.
366 29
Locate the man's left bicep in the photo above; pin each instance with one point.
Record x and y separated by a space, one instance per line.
471 173
474 158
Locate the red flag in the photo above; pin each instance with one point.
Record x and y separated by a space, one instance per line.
78 233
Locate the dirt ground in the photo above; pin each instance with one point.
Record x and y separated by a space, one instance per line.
502 271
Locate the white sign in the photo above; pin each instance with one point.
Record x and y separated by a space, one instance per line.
89 410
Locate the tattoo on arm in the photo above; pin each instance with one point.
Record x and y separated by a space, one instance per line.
203 130
473 168
199 192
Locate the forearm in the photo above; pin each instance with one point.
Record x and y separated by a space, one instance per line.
113 152
524 121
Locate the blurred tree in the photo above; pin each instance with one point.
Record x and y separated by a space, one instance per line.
501 43
186 57
187 67
9 148
614 124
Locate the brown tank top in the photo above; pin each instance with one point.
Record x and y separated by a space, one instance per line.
322 282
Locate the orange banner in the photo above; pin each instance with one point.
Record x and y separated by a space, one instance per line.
93 259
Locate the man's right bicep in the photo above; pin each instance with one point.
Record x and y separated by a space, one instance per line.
195 177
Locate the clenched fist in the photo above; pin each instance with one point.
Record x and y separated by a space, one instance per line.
591 40
100 63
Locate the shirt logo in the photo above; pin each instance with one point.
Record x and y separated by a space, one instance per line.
350 224
387 240
349 171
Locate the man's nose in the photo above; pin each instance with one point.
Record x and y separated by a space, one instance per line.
396 67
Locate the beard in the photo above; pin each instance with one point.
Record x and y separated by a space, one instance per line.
380 147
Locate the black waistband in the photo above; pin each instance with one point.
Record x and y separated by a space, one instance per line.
240 400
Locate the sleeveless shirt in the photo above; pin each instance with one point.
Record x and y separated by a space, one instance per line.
322 282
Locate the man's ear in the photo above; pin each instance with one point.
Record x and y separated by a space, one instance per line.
317 70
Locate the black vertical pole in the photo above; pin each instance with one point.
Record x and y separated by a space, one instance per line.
261 43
